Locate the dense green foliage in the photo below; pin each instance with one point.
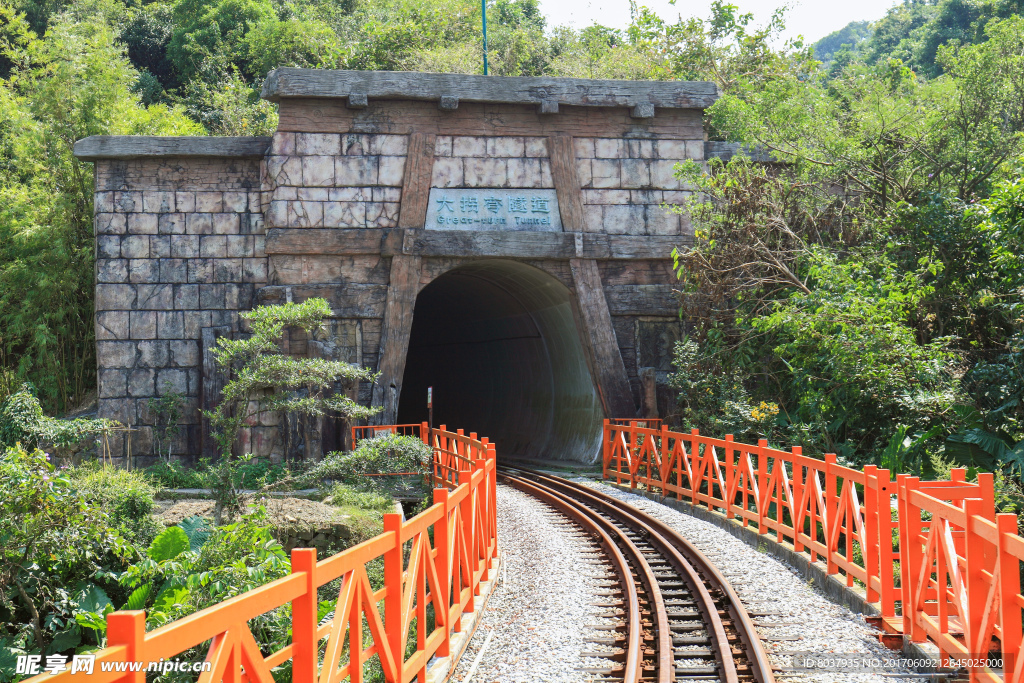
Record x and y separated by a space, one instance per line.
406 458
868 285
55 547
73 82
22 421
79 543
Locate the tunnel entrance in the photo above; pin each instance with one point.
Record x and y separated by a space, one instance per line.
498 342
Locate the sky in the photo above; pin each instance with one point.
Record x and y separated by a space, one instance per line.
813 19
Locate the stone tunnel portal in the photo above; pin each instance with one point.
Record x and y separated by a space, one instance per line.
497 340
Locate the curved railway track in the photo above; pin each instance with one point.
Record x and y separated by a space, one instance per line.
673 616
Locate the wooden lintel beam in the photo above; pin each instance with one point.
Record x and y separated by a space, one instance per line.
473 244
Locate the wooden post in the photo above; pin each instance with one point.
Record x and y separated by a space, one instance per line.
762 485
831 510
871 553
730 476
567 183
128 628
394 340
694 460
393 571
911 556
884 507
492 492
304 622
976 554
598 336
632 453
665 473
1009 587
443 564
419 167
468 515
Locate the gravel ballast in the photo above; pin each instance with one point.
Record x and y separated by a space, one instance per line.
807 621
539 612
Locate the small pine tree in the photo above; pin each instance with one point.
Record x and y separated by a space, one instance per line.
263 378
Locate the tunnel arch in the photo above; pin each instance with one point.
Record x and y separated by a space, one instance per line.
498 341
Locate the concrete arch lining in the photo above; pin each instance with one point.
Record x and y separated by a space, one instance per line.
498 341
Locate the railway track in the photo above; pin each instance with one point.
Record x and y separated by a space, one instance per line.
670 616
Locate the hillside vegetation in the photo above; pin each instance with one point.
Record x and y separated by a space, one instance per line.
863 296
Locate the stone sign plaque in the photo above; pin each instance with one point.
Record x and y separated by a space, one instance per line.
460 209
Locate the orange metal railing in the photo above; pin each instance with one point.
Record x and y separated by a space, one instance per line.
361 432
958 563
443 570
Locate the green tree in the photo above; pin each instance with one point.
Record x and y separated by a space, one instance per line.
263 379
72 83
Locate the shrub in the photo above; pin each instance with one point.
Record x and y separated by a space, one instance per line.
126 495
174 476
22 421
54 547
383 453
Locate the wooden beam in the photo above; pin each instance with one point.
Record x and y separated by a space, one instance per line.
658 300
138 146
318 115
419 167
567 183
394 340
485 243
599 338
291 82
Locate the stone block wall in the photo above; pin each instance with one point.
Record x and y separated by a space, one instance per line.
491 162
179 248
184 242
323 180
625 182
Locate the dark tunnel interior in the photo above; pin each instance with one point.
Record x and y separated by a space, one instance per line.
498 342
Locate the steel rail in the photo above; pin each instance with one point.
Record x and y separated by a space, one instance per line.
745 625
690 562
634 651
645 575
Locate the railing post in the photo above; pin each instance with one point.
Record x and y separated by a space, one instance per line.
492 492
632 454
128 628
762 485
975 582
872 525
694 459
442 563
885 526
606 450
304 612
730 475
1009 587
798 483
665 469
468 514
986 482
831 510
911 557
425 432
393 597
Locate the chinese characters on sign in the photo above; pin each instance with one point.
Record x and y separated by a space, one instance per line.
493 210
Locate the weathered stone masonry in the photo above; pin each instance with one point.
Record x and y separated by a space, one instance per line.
190 231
